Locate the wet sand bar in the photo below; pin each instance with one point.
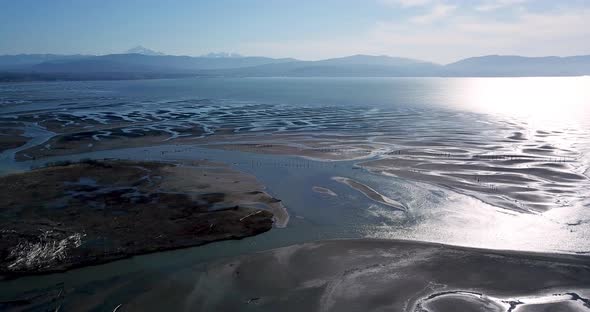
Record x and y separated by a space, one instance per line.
380 275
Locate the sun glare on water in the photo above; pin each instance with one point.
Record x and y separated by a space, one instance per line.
551 100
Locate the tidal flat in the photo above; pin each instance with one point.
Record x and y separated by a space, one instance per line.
378 275
236 194
351 275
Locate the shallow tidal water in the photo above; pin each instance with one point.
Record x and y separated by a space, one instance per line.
495 163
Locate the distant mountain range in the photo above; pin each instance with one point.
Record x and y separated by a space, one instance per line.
141 50
140 63
498 65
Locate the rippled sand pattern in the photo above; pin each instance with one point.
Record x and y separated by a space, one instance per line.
503 162
450 301
365 275
517 172
382 168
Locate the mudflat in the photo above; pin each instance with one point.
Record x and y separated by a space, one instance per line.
11 137
386 275
75 214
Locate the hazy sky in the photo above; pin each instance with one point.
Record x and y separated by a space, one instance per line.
434 30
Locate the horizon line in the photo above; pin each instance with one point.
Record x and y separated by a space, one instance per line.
238 55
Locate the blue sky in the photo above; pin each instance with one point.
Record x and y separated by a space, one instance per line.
434 30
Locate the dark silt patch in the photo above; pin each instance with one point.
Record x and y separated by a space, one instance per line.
78 214
11 137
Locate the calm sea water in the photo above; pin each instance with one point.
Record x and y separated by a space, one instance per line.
494 162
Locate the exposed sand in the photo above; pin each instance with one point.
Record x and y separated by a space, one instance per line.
88 141
213 177
323 190
373 275
304 146
501 162
371 193
534 188
508 164
530 179
103 131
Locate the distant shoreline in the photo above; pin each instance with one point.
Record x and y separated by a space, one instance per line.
38 77
133 66
12 77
